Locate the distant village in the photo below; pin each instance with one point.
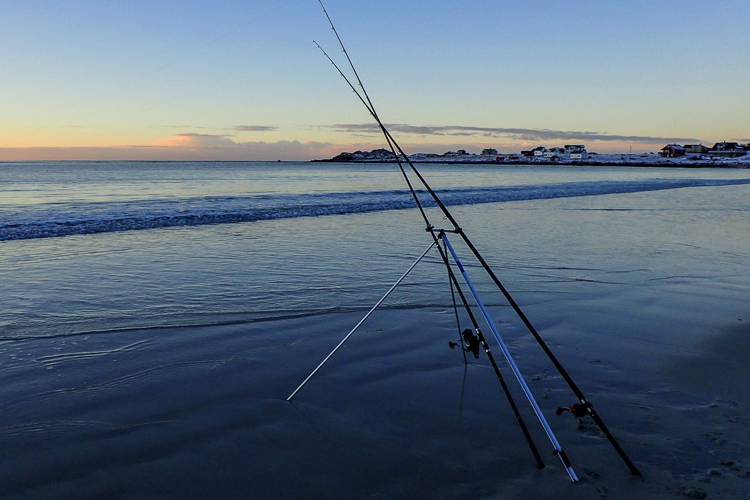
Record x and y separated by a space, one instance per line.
720 149
721 154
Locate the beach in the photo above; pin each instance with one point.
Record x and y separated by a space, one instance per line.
151 335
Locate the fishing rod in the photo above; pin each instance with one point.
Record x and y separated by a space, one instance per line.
393 145
453 280
429 227
581 409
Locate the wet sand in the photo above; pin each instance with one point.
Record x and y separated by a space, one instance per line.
201 412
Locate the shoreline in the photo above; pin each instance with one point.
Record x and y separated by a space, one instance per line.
604 163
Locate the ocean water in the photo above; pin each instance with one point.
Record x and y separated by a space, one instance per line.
93 246
155 316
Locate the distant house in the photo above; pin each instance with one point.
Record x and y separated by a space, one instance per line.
539 151
728 149
460 152
672 151
574 148
554 154
575 151
695 148
489 152
527 154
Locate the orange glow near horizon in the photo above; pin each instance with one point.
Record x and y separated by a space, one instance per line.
191 146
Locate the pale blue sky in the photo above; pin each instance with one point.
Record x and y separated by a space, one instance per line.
180 79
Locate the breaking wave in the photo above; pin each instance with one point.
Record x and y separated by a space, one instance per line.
65 219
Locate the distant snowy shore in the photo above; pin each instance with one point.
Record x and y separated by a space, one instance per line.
593 159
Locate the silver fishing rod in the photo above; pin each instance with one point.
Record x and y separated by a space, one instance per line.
555 444
393 287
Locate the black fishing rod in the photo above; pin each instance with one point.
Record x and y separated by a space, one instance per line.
453 280
480 339
393 145
584 407
581 409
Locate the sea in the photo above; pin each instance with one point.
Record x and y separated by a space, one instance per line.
154 316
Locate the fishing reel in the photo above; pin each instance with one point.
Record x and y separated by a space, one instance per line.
471 343
579 410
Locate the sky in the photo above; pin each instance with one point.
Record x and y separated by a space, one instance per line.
243 80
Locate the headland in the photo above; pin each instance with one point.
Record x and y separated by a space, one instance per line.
727 155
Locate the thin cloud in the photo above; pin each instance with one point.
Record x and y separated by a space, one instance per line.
193 140
223 147
183 127
188 146
522 134
255 128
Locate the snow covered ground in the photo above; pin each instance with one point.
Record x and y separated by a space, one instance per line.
644 159
694 160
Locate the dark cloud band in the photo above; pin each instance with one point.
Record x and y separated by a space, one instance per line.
255 128
515 133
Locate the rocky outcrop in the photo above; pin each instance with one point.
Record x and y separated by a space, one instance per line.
374 155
